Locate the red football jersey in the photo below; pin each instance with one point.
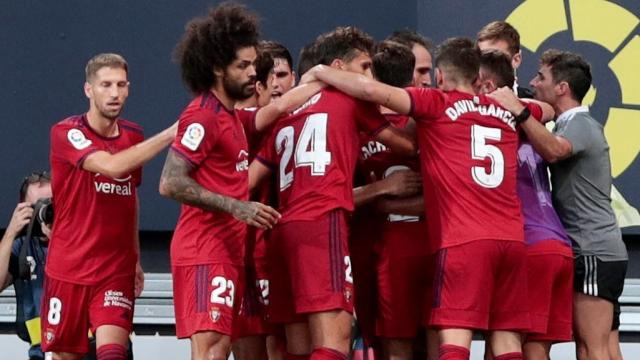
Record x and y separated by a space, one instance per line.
376 158
315 150
95 216
468 149
213 140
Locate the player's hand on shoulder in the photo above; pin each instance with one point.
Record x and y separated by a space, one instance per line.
403 183
21 217
507 99
256 214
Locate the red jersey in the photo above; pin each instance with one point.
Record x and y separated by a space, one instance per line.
95 216
315 150
377 158
468 148
212 139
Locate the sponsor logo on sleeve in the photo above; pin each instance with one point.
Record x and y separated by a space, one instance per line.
77 139
193 136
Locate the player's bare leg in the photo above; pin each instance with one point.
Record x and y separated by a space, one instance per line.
298 339
250 348
331 329
453 343
504 342
432 344
274 352
210 345
112 340
536 350
614 345
396 349
592 318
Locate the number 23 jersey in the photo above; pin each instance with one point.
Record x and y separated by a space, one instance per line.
468 147
315 150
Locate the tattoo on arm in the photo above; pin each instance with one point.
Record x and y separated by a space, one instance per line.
176 183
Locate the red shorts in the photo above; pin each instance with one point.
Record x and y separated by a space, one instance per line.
481 285
206 297
70 310
402 268
252 317
550 294
310 268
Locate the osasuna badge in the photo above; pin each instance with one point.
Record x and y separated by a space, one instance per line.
77 139
215 315
193 136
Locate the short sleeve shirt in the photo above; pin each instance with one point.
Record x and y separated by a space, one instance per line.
315 150
468 150
95 216
213 140
581 188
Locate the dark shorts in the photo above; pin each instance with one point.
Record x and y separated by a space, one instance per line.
603 279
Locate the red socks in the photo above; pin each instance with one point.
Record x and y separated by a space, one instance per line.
510 356
324 353
111 352
287 356
454 352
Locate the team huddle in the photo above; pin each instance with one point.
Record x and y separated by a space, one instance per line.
366 193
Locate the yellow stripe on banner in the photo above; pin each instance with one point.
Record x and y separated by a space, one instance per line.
33 327
538 20
601 22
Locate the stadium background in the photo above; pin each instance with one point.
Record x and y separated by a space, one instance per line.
44 47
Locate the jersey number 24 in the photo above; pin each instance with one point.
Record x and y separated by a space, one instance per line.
310 149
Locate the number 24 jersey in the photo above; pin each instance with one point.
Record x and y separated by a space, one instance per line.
315 150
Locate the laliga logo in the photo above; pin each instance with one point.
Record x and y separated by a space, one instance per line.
610 26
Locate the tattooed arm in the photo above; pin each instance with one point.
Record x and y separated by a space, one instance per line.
175 183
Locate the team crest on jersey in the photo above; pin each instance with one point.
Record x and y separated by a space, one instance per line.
49 335
193 136
215 315
347 295
77 139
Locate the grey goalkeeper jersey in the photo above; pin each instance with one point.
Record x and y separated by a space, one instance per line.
581 188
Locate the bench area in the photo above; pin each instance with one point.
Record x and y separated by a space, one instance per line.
154 308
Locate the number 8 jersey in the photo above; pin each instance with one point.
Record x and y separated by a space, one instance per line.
468 150
314 152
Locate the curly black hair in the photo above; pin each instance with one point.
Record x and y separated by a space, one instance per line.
211 41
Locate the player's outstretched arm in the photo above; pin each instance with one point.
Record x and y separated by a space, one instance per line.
401 183
548 113
412 206
288 102
175 183
399 141
122 163
362 87
552 148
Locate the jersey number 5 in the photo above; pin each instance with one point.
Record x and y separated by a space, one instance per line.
311 149
481 150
